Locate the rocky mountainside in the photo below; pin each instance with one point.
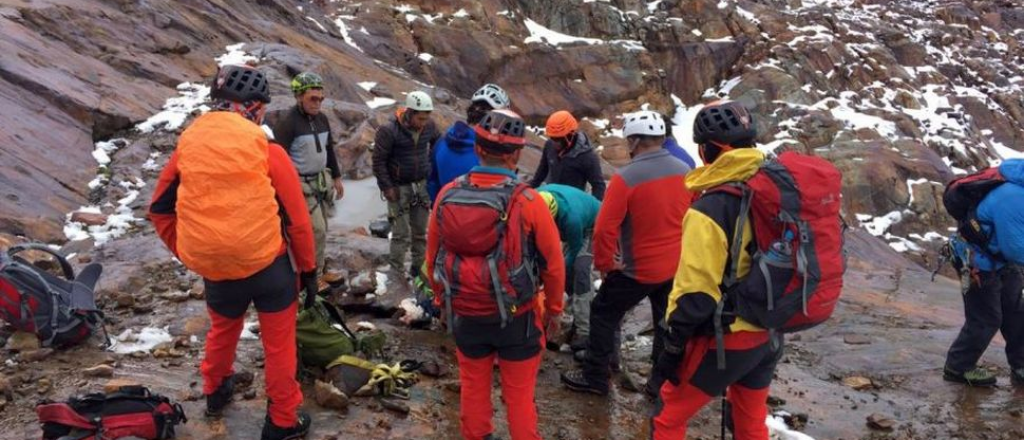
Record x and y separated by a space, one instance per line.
902 95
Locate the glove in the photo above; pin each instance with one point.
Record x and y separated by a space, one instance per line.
668 363
308 282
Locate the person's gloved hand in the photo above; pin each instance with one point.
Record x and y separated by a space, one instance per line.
308 283
668 362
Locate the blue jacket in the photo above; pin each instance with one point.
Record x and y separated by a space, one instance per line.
453 156
577 212
1001 212
678 152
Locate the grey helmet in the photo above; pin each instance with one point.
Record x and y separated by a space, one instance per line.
493 95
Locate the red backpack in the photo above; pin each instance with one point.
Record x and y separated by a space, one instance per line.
793 203
131 411
486 263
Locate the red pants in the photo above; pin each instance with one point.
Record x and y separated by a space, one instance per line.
750 365
518 382
277 331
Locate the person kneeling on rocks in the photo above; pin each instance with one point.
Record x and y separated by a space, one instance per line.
220 206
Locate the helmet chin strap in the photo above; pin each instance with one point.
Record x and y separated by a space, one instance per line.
723 148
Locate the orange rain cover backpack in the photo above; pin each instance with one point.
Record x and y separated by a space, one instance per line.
229 225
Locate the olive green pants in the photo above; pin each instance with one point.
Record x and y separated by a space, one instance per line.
408 216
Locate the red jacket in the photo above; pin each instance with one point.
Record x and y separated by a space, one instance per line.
641 220
537 221
284 178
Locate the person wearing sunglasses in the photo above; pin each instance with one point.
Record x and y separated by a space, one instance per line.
305 133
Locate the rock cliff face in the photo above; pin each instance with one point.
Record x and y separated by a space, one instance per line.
901 95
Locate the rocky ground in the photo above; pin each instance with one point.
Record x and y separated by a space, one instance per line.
879 359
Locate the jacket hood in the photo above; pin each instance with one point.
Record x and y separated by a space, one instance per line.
460 136
733 166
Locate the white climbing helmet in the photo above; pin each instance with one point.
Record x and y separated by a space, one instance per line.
643 123
493 95
419 101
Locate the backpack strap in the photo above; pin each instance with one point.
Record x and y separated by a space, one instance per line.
63 414
65 266
517 188
730 278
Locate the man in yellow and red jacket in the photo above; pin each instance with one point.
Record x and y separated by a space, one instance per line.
725 134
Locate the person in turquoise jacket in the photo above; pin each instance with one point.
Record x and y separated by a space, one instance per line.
992 283
575 212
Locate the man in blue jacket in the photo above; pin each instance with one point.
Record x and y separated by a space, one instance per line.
575 212
673 146
992 283
453 154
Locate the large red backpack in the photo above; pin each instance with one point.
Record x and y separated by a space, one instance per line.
793 200
486 262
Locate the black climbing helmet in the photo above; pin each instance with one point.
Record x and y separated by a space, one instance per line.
240 84
501 131
725 123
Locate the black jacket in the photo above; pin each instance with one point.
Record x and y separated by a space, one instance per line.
400 156
576 167
308 141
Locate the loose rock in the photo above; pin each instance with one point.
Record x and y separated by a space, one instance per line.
858 383
101 370
881 422
22 341
857 339
36 355
328 396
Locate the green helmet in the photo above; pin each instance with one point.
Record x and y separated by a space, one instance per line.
305 81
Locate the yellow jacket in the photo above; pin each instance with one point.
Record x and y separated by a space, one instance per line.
708 228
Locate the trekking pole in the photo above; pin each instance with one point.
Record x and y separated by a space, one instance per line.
723 415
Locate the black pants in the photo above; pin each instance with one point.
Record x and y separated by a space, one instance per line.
617 296
991 305
519 340
272 289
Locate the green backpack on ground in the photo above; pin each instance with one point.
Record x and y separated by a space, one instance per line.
322 336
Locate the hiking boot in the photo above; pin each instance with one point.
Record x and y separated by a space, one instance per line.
274 432
1017 377
220 398
614 365
978 377
575 380
579 343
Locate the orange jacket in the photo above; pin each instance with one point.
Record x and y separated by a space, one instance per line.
284 178
537 220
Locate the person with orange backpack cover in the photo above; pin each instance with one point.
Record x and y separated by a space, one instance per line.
491 242
761 255
229 205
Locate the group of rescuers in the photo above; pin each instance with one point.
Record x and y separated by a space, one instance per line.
642 232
